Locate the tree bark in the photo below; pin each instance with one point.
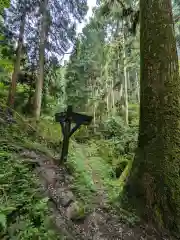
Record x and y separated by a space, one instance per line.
113 99
137 88
125 80
12 90
40 79
154 183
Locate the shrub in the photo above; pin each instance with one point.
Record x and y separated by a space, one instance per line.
113 127
123 138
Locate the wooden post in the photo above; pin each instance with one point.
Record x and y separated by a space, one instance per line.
67 129
65 119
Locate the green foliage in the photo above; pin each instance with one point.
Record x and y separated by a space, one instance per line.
84 68
107 150
4 4
6 64
23 212
83 184
92 163
94 177
123 137
87 80
22 95
113 127
44 136
133 115
83 134
6 48
3 92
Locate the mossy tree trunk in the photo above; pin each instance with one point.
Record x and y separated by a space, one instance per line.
154 182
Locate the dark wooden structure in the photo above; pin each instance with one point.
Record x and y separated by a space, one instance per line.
66 119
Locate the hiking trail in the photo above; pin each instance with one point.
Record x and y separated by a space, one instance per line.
99 224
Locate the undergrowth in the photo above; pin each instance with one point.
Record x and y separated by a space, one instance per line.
92 163
92 173
23 212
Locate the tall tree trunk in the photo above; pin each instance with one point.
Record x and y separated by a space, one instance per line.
121 92
94 114
112 96
107 105
154 182
40 79
125 81
137 88
12 89
107 87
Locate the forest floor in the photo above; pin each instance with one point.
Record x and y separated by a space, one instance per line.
100 223
73 218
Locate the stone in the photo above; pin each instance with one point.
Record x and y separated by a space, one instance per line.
75 211
65 196
48 173
29 154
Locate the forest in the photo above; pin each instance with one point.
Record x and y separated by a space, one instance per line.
109 96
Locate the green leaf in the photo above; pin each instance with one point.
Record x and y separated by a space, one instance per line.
3 220
4 4
8 210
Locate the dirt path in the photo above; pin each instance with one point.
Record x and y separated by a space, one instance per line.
98 225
